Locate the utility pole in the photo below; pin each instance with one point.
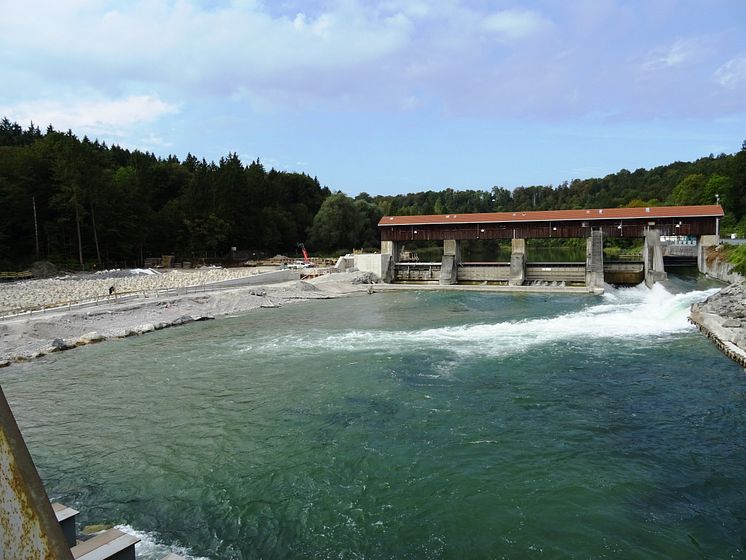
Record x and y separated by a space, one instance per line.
36 226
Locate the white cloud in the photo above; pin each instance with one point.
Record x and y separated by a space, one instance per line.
111 117
732 74
680 53
556 59
514 24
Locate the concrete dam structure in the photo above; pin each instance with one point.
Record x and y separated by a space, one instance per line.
673 234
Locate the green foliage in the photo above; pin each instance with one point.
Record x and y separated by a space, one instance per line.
737 257
337 225
685 183
114 206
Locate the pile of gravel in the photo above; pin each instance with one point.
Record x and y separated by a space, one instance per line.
44 269
365 278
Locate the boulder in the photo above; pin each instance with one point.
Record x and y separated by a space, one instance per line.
59 345
365 278
183 320
89 338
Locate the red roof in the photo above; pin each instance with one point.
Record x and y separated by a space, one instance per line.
710 211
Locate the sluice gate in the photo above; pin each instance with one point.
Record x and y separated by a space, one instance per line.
498 273
670 234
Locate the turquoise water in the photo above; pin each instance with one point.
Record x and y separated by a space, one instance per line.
405 425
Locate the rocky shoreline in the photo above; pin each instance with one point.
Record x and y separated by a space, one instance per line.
722 318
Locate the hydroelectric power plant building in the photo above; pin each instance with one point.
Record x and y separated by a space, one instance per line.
669 232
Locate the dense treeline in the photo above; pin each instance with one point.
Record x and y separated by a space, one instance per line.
699 182
86 202
105 205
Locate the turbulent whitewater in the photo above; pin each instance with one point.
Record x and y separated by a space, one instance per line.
405 425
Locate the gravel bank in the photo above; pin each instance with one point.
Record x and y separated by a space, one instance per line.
35 294
28 336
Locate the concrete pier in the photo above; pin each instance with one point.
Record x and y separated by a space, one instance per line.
652 256
594 261
390 253
703 244
451 260
517 263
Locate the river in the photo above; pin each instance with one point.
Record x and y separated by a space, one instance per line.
405 425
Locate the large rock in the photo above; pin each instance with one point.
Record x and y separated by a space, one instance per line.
89 338
722 317
183 320
365 278
59 344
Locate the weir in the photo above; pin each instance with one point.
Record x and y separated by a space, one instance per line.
698 225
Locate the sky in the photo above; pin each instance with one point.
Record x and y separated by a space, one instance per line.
388 97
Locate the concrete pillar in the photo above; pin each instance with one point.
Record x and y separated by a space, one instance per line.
390 248
652 256
450 262
594 261
389 254
703 244
518 263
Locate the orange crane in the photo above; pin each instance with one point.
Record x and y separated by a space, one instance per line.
305 253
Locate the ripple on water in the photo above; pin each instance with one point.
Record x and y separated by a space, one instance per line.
431 425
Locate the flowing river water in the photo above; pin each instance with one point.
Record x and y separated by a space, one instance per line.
405 425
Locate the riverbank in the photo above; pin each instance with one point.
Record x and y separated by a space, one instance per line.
143 303
722 318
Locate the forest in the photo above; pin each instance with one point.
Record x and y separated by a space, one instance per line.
81 204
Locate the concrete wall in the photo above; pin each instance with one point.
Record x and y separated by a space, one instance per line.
376 263
345 262
712 264
546 272
392 249
499 272
417 272
670 250
624 273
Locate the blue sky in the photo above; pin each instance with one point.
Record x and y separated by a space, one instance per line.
392 96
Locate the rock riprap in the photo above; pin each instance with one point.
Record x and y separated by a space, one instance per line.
722 318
